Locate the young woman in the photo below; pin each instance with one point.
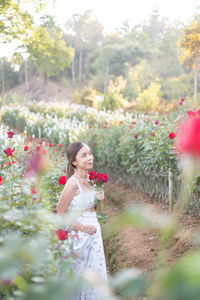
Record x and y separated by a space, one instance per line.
79 195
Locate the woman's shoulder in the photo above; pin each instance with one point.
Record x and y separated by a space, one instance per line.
72 180
71 183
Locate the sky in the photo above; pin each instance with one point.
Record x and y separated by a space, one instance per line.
111 13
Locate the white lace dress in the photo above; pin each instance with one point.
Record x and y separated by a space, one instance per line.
89 248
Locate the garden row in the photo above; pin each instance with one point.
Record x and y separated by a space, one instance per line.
134 149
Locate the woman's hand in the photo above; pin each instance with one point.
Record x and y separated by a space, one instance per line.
100 195
90 229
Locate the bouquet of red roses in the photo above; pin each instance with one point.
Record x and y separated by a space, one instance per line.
97 181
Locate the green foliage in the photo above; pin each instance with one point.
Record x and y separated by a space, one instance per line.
113 98
138 78
177 87
48 51
10 119
182 281
9 77
14 22
149 99
86 97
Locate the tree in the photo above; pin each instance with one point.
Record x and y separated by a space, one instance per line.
190 44
19 59
115 53
155 27
85 32
47 49
15 23
8 77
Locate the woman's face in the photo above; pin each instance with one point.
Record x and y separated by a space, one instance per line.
84 158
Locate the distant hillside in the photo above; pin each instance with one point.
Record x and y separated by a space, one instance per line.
38 91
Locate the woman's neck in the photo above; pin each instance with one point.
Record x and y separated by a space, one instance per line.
83 174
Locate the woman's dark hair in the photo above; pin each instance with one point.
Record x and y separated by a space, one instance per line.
72 151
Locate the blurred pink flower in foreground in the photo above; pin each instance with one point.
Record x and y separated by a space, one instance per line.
33 165
188 135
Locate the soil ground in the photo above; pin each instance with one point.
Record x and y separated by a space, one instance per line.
139 247
38 90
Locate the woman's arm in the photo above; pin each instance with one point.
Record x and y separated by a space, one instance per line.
66 196
64 201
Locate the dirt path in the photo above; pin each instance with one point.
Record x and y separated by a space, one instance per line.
133 247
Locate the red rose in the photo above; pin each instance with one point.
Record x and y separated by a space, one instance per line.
33 191
182 99
90 126
9 163
26 148
9 151
180 103
156 122
95 134
99 178
62 180
172 135
133 122
62 234
135 136
153 133
60 145
1 180
104 177
10 134
50 145
92 175
32 139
